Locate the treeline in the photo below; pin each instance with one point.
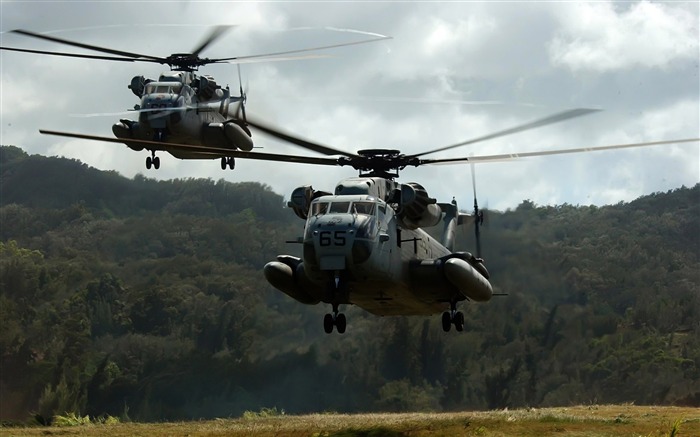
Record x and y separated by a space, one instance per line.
145 300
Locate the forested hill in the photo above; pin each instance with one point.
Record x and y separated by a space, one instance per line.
58 183
145 299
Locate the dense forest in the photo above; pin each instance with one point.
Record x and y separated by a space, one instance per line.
145 300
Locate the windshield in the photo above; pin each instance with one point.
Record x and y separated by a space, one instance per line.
161 88
339 207
357 207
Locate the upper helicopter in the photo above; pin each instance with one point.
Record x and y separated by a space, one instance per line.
181 106
363 242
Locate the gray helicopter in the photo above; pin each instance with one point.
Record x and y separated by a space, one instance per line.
364 244
181 106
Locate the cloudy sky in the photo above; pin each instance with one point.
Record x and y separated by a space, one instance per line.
452 72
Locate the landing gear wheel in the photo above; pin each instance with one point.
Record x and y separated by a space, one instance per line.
228 161
459 321
446 321
328 323
156 162
149 162
340 323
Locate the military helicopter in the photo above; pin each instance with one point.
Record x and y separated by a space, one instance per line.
363 242
181 106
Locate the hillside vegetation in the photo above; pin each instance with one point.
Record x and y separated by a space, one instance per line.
145 300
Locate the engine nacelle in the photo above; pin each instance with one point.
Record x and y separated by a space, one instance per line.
301 199
207 87
417 209
138 85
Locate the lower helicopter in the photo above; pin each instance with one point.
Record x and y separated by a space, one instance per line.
364 244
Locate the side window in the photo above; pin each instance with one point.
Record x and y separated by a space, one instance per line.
366 208
319 208
381 219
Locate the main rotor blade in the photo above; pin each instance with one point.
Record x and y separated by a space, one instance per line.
556 118
215 34
511 156
76 55
209 106
310 49
85 46
215 152
265 59
277 133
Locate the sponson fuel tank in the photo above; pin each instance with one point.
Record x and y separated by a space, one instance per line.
287 275
227 135
459 271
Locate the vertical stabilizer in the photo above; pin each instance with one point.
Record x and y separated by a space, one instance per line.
451 219
449 223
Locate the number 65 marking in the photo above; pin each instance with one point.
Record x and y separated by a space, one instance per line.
327 238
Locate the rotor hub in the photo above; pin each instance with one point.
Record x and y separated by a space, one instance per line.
185 61
384 163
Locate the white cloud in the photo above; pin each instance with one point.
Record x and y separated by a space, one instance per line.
404 93
598 37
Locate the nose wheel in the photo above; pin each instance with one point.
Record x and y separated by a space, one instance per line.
452 317
336 319
152 161
228 161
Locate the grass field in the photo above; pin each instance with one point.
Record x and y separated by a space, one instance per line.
593 420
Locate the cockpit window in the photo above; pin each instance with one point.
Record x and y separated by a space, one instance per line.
339 207
357 207
319 208
159 88
363 208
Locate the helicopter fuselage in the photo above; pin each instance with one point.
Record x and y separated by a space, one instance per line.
357 250
185 109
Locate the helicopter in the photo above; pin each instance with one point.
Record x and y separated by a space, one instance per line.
364 244
181 106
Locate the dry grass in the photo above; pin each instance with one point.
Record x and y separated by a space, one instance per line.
588 421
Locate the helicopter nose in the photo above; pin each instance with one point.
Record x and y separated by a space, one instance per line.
339 242
157 110
333 245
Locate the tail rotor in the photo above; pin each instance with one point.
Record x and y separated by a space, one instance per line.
243 97
478 215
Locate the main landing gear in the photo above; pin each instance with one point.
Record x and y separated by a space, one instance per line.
152 160
336 319
452 317
228 161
